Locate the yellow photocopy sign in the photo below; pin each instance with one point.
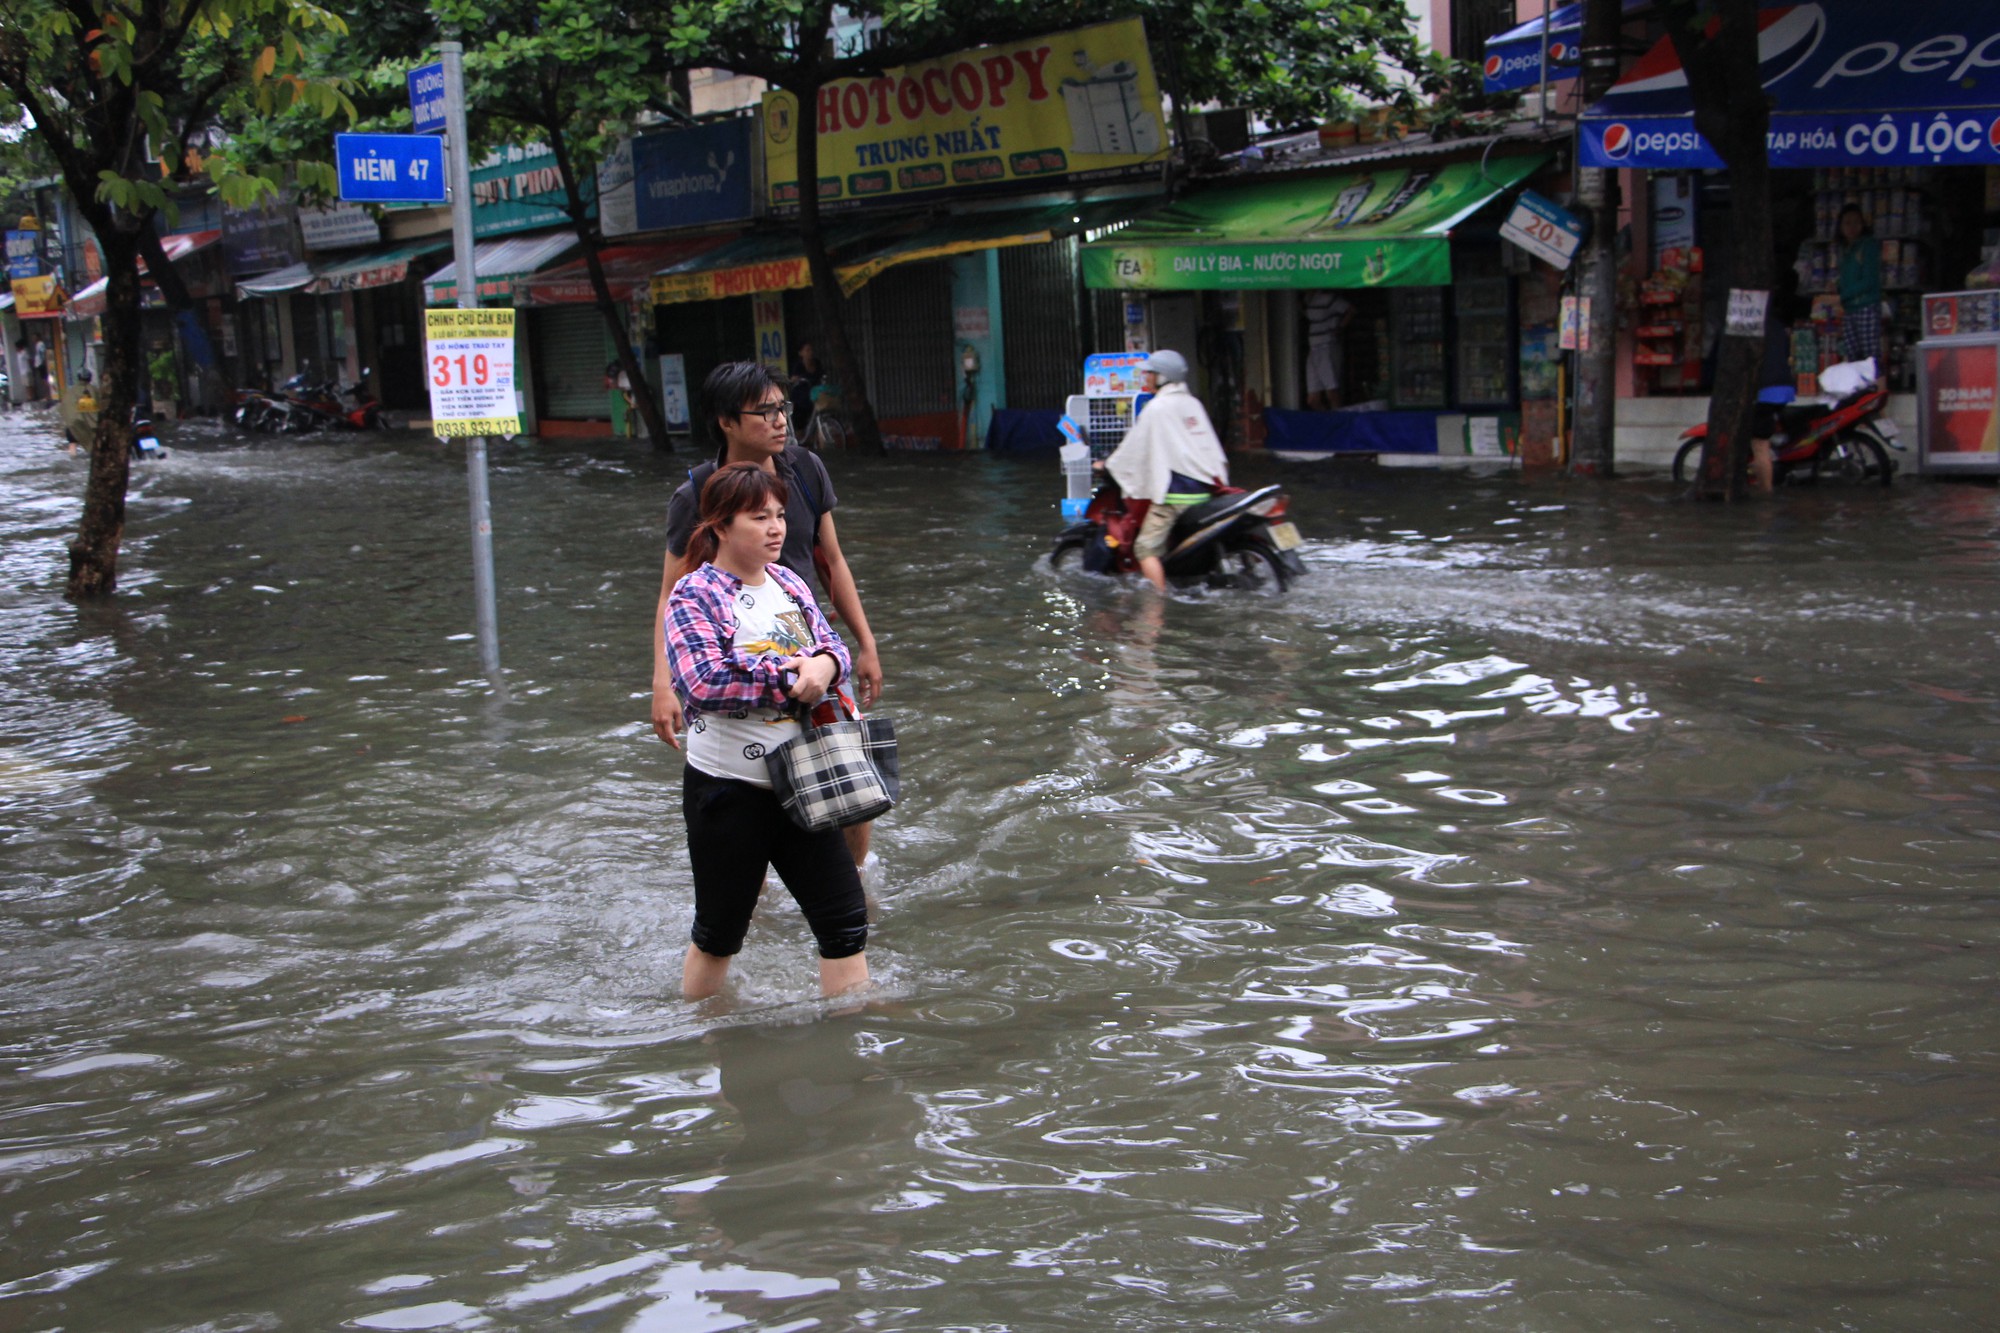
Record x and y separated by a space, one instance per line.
1072 107
469 366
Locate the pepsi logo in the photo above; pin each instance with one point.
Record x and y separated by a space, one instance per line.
1617 141
1993 135
1493 67
1787 36
1560 53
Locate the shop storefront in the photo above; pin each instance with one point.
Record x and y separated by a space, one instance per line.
1883 110
572 351
1382 296
185 366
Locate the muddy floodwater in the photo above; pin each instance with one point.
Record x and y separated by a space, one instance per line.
1569 909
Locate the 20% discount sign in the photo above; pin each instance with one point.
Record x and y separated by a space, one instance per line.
469 367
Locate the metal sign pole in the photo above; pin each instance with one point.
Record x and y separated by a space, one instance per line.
460 171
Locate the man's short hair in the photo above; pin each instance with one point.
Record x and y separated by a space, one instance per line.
731 387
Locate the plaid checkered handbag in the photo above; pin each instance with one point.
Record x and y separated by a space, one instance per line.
837 773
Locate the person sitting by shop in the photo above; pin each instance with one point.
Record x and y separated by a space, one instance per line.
1171 457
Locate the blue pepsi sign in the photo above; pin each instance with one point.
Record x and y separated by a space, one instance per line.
1514 57
427 98
1916 83
390 168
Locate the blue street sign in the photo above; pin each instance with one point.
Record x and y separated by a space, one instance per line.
390 168
427 98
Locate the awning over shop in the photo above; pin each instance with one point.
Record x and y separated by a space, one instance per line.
750 264
373 268
277 282
90 302
968 233
1514 57
1851 82
1388 227
628 271
501 266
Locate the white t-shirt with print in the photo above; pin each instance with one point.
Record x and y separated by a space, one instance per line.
768 622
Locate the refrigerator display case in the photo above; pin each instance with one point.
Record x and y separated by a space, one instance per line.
1417 347
1483 324
1958 384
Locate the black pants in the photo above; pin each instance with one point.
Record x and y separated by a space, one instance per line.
735 833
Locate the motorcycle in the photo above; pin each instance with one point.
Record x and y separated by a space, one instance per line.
347 409
1237 539
257 411
1848 440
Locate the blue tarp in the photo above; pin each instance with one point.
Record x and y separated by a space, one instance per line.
1853 83
1018 430
1350 432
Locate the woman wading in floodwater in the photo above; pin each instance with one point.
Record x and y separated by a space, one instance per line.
745 640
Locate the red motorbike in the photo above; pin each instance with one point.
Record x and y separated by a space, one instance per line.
1849 441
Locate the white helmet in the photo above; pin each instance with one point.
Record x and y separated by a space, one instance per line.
1171 367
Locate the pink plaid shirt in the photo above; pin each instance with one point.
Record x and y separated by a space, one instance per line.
710 674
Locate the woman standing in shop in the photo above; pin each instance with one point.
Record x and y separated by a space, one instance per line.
1860 256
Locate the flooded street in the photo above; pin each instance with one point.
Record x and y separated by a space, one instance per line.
1569 909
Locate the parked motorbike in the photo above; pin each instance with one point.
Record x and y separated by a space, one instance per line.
1238 539
257 411
344 409
145 440
1848 440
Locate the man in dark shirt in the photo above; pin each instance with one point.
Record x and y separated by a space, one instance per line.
748 413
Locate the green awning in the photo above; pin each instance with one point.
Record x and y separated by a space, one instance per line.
1387 227
969 232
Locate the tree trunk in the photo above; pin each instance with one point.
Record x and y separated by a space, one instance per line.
93 556
846 366
1595 429
586 232
1733 113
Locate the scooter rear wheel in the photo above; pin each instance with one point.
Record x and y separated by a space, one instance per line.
1254 567
1067 558
1855 458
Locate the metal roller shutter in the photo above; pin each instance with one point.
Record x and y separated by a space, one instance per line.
571 349
911 356
1044 356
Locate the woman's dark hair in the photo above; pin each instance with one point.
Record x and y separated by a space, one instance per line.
1866 229
731 387
729 491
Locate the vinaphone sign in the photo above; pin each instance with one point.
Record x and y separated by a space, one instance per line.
1078 105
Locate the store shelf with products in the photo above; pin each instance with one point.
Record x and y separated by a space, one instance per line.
1666 346
1417 351
1902 214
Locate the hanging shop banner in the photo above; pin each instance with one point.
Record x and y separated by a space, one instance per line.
696 177
24 254
1851 83
778 275
338 227
469 367
257 240
37 297
1544 229
767 314
520 189
1081 105
1383 228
